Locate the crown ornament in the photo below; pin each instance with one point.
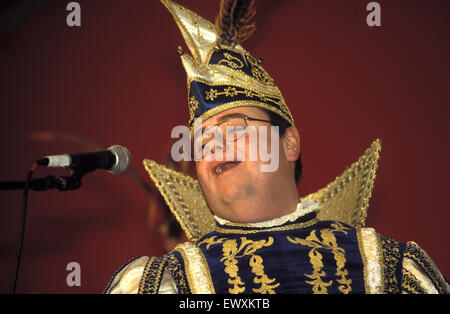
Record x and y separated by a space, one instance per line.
221 74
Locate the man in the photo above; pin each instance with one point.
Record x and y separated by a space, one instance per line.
242 185
264 240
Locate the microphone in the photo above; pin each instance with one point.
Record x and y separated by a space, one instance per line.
116 159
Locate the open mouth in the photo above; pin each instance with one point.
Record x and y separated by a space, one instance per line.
221 168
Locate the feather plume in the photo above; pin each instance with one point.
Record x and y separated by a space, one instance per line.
233 23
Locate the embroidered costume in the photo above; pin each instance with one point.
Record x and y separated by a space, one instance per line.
322 247
296 254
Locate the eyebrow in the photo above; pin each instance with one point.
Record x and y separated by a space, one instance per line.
229 116
222 119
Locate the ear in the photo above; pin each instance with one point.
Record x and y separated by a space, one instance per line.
291 144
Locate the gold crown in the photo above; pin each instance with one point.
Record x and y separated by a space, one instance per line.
219 76
346 199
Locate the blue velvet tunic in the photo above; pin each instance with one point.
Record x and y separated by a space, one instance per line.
304 256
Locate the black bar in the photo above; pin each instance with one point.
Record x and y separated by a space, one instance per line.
12 185
44 184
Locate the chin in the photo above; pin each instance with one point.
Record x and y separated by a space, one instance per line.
230 194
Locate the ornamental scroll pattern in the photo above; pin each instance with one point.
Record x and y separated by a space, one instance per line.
410 284
232 92
193 105
231 61
153 273
229 91
234 249
328 242
235 60
175 269
392 258
258 72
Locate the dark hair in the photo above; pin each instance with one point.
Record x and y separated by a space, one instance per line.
282 124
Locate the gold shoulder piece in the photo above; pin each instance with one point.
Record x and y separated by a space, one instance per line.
185 199
345 199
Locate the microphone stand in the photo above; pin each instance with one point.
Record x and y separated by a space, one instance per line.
65 183
43 184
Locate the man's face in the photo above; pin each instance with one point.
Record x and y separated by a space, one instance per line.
234 189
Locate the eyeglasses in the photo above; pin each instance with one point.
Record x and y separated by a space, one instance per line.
230 129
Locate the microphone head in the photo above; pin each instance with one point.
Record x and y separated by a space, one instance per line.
123 159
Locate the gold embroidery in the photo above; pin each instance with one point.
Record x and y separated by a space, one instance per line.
229 59
152 275
210 241
418 255
319 287
232 92
235 49
232 252
415 270
195 20
391 260
212 94
258 72
256 263
146 273
371 254
216 74
229 258
328 242
193 105
338 227
176 271
196 267
410 284
273 229
339 257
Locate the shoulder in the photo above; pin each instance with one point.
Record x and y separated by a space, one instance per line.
126 279
174 272
145 275
404 267
420 274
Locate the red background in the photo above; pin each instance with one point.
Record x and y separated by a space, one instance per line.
117 80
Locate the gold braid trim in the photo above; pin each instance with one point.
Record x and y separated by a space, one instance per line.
392 258
284 228
176 270
145 273
196 267
152 275
241 103
230 77
410 284
371 254
415 252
